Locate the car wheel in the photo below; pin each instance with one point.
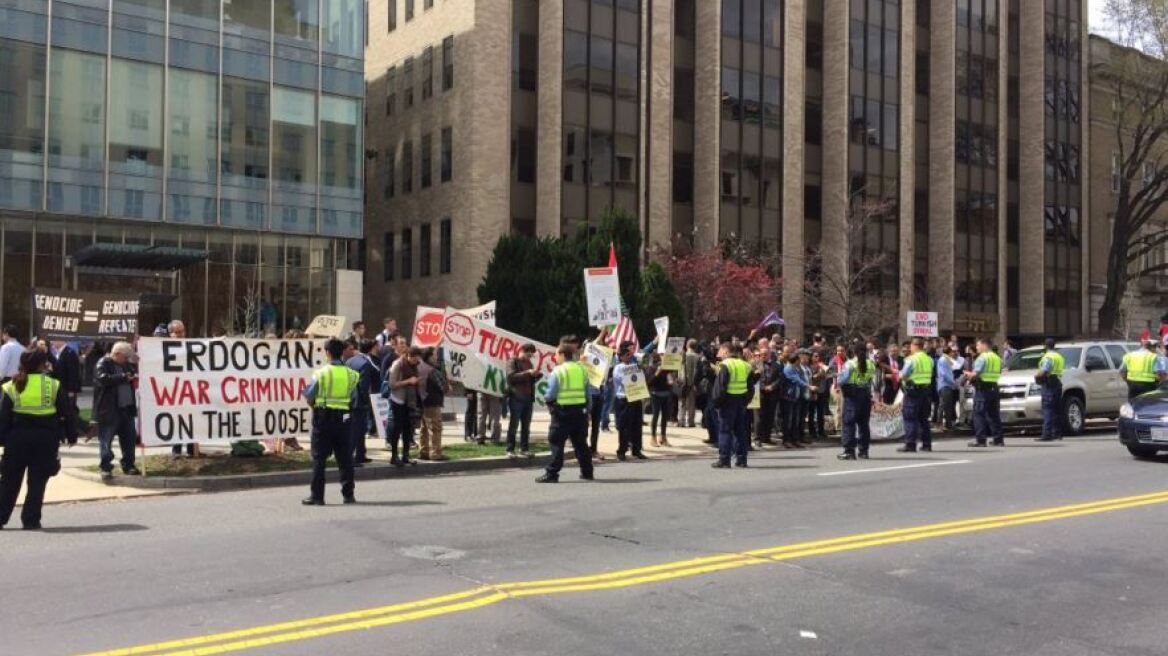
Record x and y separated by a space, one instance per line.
1142 451
1073 417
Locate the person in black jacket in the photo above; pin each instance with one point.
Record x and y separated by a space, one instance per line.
68 372
114 408
35 417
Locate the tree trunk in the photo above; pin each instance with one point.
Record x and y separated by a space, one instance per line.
1116 284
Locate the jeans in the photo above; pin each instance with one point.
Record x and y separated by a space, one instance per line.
359 422
660 409
766 416
628 426
796 409
470 422
732 429
609 402
519 422
1052 397
123 426
403 430
595 408
817 415
689 397
490 408
949 407
710 417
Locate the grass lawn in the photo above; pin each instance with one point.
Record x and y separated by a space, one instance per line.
222 464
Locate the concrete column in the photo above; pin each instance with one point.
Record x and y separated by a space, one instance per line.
908 104
794 117
942 158
707 122
1085 214
835 245
1003 165
550 121
1032 182
659 169
490 135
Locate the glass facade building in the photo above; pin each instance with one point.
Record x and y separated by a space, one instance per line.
229 126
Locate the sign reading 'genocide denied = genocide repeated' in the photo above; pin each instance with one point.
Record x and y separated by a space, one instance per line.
75 315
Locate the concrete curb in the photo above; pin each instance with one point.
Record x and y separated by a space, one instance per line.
302 477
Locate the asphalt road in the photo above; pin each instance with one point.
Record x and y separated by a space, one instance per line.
1065 582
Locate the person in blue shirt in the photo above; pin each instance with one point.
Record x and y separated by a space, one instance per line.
947 389
629 415
358 358
855 383
797 389
567 395
332 395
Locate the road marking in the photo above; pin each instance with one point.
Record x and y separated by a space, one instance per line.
885 469
265 636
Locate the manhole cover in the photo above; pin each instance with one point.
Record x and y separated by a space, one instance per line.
432 552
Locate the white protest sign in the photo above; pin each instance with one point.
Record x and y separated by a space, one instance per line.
223 390
326 325
673 358
477 354
662 326
381 412
484 313
428 322
922 324
596 359
602 290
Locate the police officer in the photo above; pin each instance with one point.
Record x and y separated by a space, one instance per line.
567 398
916 378
1050 377
332 395
732 391
1143 369
855 382
987 417
35 415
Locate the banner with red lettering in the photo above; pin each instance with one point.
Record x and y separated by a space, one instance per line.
477 354
225 390
429 320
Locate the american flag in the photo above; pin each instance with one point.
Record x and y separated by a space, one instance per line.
624 331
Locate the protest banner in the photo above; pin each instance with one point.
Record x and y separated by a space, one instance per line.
602 291
429 320
381 411
224 390
84 316
636 388
673 358
326 325
922 324
596 359
477 354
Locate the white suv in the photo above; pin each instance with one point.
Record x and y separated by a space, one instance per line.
1092 386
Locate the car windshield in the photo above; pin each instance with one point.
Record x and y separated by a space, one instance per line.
1028 359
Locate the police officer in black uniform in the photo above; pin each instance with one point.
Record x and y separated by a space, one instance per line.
332 396
35 416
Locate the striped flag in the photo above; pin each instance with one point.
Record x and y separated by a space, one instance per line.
623 331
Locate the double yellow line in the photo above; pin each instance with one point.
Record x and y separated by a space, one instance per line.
316 627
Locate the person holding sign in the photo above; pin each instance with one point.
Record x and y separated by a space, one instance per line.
35 417
567 397
630 390
332 395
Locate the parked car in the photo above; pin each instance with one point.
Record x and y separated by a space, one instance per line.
1143 423
1092 386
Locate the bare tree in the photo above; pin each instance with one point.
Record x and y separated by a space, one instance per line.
844 279
1136 74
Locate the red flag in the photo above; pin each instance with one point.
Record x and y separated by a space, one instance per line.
611 256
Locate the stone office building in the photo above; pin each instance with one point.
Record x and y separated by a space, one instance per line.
769 121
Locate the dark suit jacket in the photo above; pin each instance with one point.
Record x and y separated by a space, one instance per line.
68 370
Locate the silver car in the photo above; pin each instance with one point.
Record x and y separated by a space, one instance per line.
1092 386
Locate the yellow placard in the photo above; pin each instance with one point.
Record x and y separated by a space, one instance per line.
636 389
596 360
755 401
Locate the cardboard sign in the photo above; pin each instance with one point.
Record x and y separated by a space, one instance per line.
428 323
224 390
922 324
673 358
596 359
602 290
326 325
662 326
636 388
477 355
74 316
755 401
381 412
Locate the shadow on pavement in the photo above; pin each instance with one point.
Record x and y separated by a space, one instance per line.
625 480
101 528
399 504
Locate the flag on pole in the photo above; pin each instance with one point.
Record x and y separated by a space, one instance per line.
772 319
623 331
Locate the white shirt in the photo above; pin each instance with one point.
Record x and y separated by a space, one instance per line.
10 358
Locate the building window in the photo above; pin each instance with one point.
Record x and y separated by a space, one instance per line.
409 10
407 253
424 251
387 256
407 167
525 60
427 72
391 90
448 63
525 155
444 246
408 82
388 165
392 15
427 160
447 154
428 4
